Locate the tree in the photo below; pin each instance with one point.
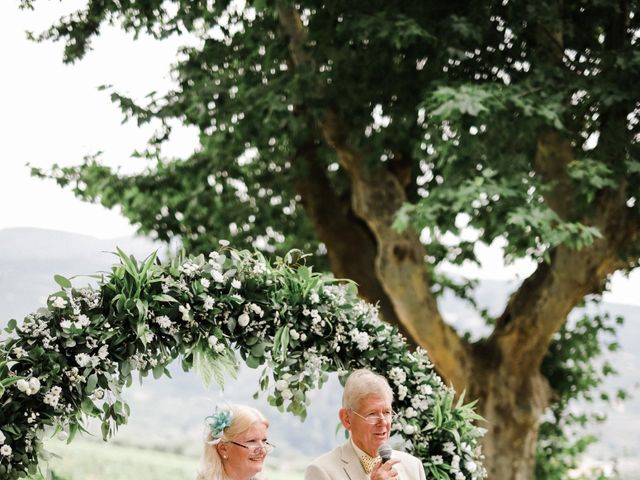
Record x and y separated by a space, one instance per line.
394 137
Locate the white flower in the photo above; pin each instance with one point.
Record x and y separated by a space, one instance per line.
303 337
65 324
205 282
163 321
449 447
59 302
282 385
243 320
219 348
208 302
398 375
314 298
217 276
2 438
361 339
103 353
83 321
34 385
185 310
223 242
236 284
460 476
294 334
213 340
410 413
52 397
287 394
419 403
82 359
402 392
256 309
437 460
22 385
5 450
409 429
19 352
455 462
425 389
471 466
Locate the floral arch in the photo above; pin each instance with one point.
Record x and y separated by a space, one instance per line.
71 360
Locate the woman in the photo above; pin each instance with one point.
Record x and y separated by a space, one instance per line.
235 444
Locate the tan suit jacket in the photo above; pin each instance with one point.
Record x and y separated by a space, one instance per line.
342 463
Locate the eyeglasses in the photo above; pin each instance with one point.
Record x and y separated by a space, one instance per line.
374 418
256 447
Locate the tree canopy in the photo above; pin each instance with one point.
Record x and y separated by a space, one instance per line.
390 138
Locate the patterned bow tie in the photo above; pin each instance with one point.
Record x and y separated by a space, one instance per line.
368 462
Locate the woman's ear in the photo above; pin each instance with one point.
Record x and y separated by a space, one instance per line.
344 418
221 447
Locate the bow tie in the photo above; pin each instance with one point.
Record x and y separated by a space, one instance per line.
368 462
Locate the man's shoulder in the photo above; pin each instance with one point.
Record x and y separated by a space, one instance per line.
328 456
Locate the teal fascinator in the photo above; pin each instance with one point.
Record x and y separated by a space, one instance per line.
217 422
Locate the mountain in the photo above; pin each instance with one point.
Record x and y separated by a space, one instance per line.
168 413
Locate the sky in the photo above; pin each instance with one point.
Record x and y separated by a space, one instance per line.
54 113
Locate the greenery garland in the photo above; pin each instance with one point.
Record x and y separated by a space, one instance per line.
71 360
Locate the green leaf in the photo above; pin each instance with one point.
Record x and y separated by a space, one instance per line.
62 281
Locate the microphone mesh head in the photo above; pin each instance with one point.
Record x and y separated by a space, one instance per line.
385 452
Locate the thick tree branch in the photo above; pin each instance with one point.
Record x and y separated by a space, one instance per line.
351 247
376 194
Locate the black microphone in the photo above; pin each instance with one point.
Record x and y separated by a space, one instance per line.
384 451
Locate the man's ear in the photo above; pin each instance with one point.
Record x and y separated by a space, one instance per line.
345 418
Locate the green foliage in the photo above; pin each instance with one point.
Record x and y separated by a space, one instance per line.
74 358
576 372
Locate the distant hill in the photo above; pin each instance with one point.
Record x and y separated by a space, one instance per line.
168 413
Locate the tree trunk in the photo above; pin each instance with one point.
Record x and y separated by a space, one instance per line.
512 403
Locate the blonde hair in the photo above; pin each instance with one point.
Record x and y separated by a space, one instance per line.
243 417
363 383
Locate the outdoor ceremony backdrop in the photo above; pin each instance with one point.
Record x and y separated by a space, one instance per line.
55 114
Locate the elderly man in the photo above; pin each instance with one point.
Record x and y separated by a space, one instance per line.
366 413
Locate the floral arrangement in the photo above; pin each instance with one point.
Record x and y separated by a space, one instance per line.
72 359
217 422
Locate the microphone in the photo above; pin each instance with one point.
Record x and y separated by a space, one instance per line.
384 451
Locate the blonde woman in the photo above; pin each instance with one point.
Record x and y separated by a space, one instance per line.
235 444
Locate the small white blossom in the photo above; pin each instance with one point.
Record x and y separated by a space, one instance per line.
460 476
217 276
471 466
185 311
83 321
294 334
398 375
2 438
287 394
65 324
243 320
314 298
256 309
402 392
163 321
425 389
361 339
209 301
409 429
410 413
449 447
103 353
82 359
205 282
19 352
236 284
219 348
52 397
5 450
437 460
59 302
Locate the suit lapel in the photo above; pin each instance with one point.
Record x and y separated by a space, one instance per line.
351 462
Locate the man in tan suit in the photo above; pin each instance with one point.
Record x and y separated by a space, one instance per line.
366 413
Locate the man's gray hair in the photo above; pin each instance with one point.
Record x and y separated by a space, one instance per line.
363 383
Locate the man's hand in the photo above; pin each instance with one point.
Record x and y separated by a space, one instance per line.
385 471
